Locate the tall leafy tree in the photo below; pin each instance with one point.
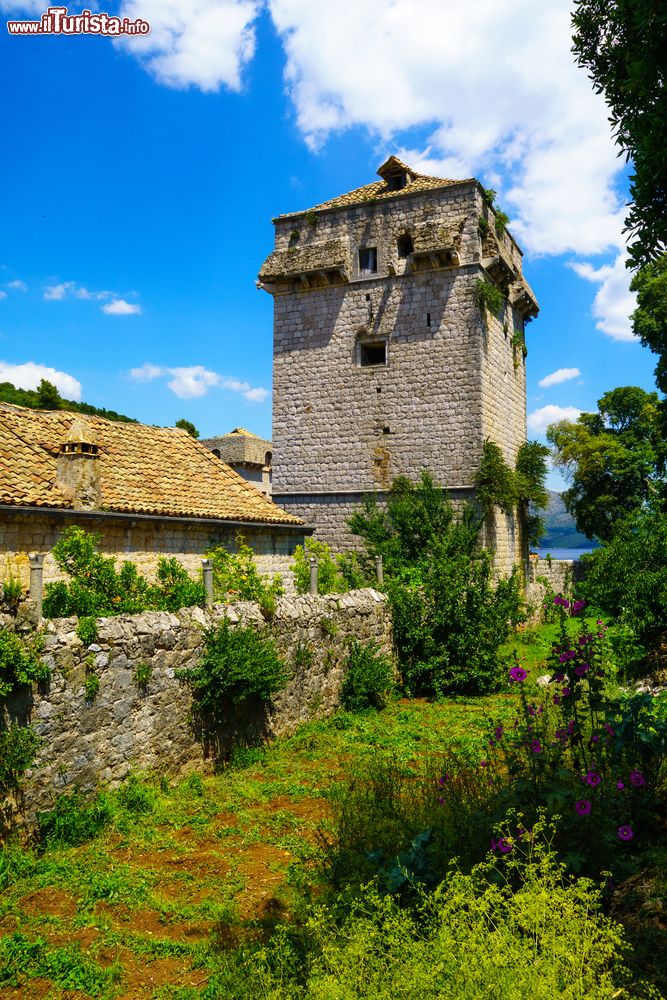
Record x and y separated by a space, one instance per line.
649 320
615 458
622 43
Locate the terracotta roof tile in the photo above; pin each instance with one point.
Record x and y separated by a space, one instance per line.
148 470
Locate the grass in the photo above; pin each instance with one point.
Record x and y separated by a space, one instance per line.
141 908
179 875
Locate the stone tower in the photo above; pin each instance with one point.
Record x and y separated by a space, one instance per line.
385 362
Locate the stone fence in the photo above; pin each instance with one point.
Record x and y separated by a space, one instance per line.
92 741
558 574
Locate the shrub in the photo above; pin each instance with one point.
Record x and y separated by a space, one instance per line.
329 578
627 575
448 618
369 677
236 577
19 664
489 297
12 593
18 750
73 820
175 589
511 928
238 664
86 630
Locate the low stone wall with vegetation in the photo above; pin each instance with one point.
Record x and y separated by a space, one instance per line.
119 704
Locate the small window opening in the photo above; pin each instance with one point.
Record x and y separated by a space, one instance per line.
373 354
405 245
386 430
378 389
428 319
267 458
395 182
368 260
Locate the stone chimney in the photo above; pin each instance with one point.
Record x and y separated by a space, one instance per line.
78 468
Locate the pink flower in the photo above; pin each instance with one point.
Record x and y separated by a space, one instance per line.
536 746
583 807
625 833
620 785
593 779
518 674
637 779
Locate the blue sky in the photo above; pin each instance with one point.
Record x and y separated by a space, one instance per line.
139 181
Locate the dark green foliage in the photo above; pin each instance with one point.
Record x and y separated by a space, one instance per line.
489 297
48 397
532 494
500 222
142 674
622 43
86 630
12 593
495 481
36 400
74 820
627 576
18 749
97 589
91 685
649 320
19 664
448 619
239 664
175 588
489 196
369 677
188 426
483 227
615 458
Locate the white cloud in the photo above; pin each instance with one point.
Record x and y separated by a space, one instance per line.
3 295
119 307
561 375
614 303
17 286
195 380
539 420
497 86
70 289
204 43
29 375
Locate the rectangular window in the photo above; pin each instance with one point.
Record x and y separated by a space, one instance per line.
368 260
373 354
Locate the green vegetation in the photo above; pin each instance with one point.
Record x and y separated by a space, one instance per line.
86 630
498 485
239 664
649 320
622 45
19 663
489 297
448 618
12 593
18 749
142 674
188 427
615 458
236 578
329 577
369 677
47 397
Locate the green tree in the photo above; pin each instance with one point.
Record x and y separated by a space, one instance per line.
622 43
187 425
649 320
48 397
615 459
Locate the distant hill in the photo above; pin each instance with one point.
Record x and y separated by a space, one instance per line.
47 397
560 529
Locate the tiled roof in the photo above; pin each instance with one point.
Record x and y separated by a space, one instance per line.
379 190
143 470
242 432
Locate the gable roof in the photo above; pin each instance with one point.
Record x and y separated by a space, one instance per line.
379 190
143 470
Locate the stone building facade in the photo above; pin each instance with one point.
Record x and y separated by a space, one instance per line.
245 453
385 362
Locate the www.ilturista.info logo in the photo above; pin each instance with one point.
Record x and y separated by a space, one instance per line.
56 21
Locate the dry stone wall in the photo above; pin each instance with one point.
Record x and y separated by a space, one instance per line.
87 743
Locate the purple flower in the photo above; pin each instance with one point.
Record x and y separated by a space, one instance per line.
558 678
518 674
637 779
583 807
609 729
532 710
560 734
620 785
556 699
595 739
571 727
443 779
483 763
582 669
578 606
566 692
625 833
536 746
504 845
593 779
498 732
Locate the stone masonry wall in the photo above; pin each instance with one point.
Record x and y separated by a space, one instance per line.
86 744
140 542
